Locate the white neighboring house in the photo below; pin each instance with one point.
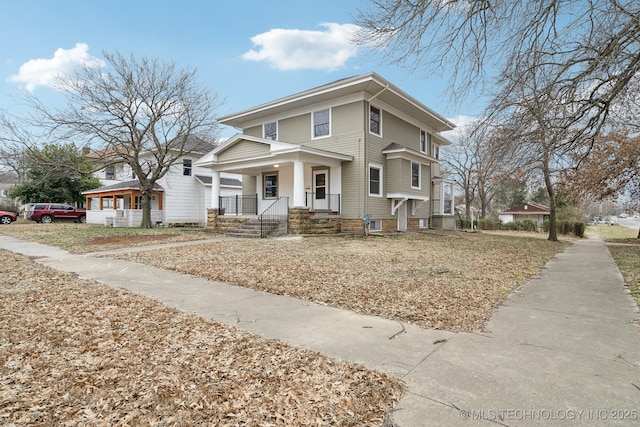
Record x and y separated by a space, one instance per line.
535 212
181 197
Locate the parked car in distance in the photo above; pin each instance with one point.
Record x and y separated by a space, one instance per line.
7 217
49 212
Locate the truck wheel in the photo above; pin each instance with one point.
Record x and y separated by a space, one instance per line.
46 219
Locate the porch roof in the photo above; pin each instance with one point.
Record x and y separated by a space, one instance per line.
121 186
279 152
395 150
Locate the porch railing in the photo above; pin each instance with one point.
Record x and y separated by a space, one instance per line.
275 216
330 203
238 205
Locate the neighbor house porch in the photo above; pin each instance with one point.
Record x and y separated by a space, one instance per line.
120 205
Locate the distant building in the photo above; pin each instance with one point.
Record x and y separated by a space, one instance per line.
532 211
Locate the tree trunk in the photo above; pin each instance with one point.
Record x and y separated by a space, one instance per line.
553 228
146 210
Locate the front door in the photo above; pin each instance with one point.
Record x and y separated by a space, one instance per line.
321 189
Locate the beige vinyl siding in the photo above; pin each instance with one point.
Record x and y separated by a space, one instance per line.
295 129
249 185
353 178
398 178
397 130
244 149
254 131
377 207
347 118
393 176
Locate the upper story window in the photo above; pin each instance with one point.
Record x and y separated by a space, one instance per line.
436 151
425 141
415 175
186 167
110 172
270 131
375 180
375 120
321 123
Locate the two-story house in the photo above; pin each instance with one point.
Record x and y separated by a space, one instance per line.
180 197
356 152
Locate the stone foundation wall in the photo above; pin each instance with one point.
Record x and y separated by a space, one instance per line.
229 223
413 224
299 222
212 218
324 225
352 226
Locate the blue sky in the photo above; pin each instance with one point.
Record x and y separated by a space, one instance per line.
248 52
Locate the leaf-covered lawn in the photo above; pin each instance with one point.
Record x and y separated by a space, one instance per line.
443 280
83 238
73 352
627 257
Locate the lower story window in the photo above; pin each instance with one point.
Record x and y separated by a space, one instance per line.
423 223
375 225
270 186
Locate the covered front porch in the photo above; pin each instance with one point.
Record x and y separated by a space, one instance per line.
307 177
120 205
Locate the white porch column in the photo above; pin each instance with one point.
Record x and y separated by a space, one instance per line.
215 190
298 185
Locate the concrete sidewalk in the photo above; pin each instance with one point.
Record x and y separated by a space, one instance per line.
564 349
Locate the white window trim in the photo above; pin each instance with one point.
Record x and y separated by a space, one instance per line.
313 124
264 131
380 124
379 167
419 176
187 166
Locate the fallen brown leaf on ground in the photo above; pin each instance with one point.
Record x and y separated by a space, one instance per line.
73 352
442 280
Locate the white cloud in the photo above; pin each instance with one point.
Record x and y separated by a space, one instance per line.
305 49
47 72
462 122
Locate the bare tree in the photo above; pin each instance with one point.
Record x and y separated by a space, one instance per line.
535 129
144 112
589 49
460 162
478 162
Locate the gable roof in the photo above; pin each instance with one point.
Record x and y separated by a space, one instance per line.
368 86
278 151
194 145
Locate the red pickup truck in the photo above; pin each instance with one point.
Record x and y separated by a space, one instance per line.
49 212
